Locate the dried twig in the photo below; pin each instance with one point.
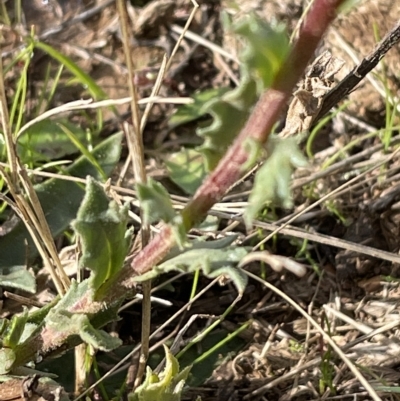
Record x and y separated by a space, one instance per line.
358 73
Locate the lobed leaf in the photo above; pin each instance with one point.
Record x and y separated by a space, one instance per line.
272 181
156 205
214 258
70 324
155 202
266 49
193 111
229 113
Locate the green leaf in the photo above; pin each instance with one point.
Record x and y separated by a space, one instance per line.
186 169
60 200
155 202
82 147
15 329
209 224
223 351
156 205
272 181
29 329
98 339
195 110
45 140
347 6
214 258
101 225
3 325
229 113
78 324
36 317
17 277
68 324
167 386
74 294
266 49
255 151
7 358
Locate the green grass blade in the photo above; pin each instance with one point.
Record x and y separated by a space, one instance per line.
216 347
82 77
82 148
18 105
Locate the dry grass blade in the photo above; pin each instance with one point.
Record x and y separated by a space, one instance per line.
342 164
37 216
332 241
31 214
204 42
122 364
337 191
29 206
362 328
154 92
183 33
90 104
372 393
135 143
277 263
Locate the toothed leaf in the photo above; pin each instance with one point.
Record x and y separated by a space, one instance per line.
272 181
214 258
229 113
98 339
79 324
156 205
60 322
266 49
193 111
155 202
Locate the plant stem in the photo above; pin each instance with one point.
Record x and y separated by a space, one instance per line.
258 127
229 169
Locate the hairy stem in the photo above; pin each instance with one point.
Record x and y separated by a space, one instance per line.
258 127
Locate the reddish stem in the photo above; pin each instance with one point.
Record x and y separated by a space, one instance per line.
258 127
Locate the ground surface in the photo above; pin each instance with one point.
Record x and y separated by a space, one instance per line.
352 295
